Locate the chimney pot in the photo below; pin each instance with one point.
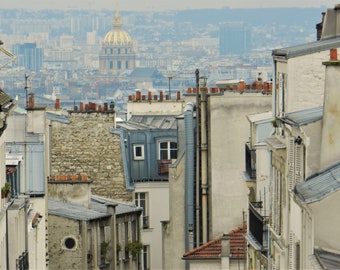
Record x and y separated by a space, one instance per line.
333 54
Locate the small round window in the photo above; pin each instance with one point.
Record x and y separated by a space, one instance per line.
70 243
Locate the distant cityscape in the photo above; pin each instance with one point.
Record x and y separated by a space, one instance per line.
58 51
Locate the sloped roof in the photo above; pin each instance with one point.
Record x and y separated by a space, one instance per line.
320 185
98 203
212 249
303 117
146 73
139 122
307 48
4 98
73 211
328 260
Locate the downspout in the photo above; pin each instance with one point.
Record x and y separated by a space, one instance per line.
270 206
204 165
198 205
274 89
189 175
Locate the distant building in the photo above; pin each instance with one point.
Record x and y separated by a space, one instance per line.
117 53
235 38
29 56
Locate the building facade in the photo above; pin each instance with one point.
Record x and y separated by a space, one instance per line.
118 52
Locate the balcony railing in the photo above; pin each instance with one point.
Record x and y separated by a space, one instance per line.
250 156
258 224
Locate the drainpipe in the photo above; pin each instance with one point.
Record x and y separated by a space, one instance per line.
204 165
198 205
189 175
274 89
270 207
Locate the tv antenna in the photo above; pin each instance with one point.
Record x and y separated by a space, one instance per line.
26 88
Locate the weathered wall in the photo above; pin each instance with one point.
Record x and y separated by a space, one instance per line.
59 256
86 146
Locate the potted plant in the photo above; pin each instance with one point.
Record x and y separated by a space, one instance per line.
5 190
134 247
104 249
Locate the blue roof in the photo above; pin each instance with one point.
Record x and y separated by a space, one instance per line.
303 117
320 185
307 48
74 211
58 118
122 208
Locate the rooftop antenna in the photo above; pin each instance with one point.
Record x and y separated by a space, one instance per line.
26 88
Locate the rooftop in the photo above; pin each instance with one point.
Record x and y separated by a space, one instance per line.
320 185
212 249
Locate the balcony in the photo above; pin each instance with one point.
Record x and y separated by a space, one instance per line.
250 156
163 166
258 227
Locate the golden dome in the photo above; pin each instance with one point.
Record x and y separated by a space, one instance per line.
117 36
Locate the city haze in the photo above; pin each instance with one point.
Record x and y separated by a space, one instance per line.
156 5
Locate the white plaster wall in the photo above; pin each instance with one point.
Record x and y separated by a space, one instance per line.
3 249
326 222
295 219
158 196
155 107
39 254
229 131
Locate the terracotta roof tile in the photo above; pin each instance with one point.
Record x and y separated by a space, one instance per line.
212 249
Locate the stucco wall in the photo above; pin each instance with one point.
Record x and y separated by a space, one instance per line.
86 146
228 132
59 257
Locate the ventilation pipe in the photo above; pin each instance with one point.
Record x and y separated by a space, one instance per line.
189 175
204 165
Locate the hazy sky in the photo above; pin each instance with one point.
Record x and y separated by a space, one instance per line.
155 5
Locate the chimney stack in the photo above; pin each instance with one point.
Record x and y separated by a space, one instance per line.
330 140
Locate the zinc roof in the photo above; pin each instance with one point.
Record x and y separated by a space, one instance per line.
307 48
73 211
303 117
320 185
138 122
57 117
98 203
259 117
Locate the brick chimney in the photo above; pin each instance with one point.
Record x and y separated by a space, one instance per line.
330 139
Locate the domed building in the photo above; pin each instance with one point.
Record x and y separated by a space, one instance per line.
117 52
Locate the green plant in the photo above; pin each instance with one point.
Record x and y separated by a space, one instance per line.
134 247
5 190
275 123
104 249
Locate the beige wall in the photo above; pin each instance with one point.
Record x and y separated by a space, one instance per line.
158 210
228 133
324 221
173 232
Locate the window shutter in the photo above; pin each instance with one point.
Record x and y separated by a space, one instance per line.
291 251
299 167
291 164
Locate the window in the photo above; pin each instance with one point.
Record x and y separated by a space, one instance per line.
126 64
118 50
70 243
138 152
111 65
126 239
146 257
119 64
141 200
167 150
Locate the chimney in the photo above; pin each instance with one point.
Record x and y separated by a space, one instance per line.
57 104
330 28
330 139
31 101
319 26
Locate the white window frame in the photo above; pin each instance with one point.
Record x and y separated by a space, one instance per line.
168 149
135 156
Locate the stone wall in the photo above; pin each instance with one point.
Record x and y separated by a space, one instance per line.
86 147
